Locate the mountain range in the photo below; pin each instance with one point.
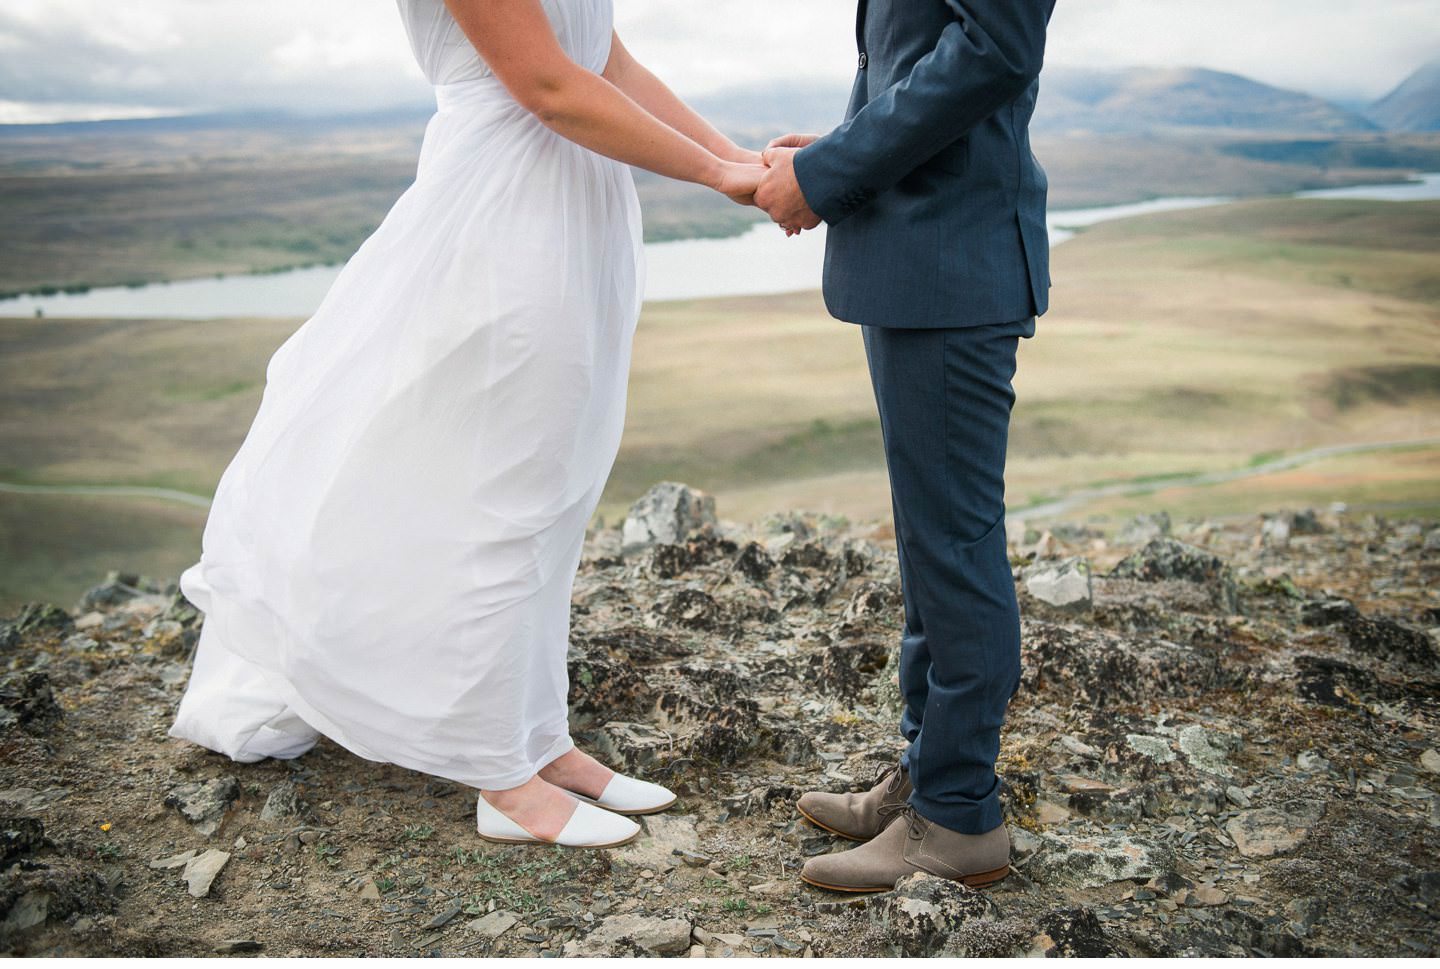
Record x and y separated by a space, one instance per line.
1130 101
1414 105
1149 99
1139 100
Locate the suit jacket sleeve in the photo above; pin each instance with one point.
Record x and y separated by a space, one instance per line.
985 58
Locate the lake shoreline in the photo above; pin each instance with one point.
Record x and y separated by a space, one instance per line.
770 265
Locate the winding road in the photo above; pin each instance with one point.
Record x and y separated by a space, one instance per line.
1081 495
114 491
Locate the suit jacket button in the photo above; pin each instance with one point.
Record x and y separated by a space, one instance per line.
864 59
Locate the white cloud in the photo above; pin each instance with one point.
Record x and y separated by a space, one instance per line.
309 52
749 42
209 54
337 55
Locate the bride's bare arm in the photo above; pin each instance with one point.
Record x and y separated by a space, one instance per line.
516 40
652 94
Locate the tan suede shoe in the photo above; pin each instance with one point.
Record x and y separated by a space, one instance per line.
913 843
857 816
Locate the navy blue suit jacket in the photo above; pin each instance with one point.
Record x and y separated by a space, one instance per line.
934 203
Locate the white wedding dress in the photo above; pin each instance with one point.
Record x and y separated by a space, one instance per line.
389 557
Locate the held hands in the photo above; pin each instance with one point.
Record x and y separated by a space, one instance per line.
739 180
779 193
767 180
738 173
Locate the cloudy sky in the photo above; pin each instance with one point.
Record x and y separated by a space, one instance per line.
89 58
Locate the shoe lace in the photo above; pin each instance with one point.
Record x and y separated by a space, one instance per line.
896 779
905 810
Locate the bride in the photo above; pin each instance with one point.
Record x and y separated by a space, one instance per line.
389 557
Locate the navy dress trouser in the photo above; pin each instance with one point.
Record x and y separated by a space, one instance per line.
944 397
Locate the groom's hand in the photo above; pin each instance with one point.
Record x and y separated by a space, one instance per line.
779 193
792 141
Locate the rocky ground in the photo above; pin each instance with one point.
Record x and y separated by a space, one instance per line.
1225 744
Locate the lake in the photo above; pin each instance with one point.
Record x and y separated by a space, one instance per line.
760 261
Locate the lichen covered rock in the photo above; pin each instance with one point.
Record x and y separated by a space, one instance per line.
668 513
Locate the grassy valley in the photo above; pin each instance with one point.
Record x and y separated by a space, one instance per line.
1178 344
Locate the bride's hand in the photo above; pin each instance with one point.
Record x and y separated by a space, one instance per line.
739 181
746 157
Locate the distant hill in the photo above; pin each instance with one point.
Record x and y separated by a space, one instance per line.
1131 101
1414 105
1146 99
272 119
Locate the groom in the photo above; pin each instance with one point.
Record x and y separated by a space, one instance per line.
936 246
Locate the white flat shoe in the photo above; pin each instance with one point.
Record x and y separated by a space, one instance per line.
630 795
588 827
